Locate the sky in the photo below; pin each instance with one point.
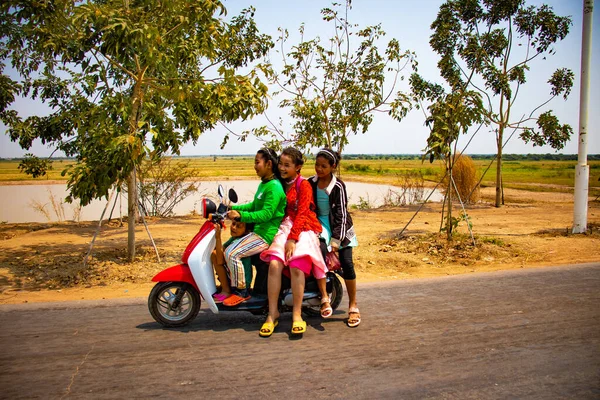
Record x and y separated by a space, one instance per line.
410 25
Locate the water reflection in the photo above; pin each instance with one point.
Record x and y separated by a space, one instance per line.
43 203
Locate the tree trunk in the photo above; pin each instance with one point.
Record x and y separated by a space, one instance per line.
132 190
131 214
502 186
443 211
499 168
449 195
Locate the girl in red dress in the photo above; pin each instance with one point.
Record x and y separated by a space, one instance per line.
296 244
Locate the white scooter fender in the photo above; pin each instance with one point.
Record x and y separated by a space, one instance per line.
202 269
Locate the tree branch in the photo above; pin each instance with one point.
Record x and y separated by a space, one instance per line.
115 63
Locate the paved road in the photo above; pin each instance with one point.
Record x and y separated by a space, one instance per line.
529 334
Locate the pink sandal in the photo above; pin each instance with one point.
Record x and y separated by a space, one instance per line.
326 311
220 297
353 317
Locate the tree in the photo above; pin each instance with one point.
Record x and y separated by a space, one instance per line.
496 42
126 79
35 166
332 89
450 114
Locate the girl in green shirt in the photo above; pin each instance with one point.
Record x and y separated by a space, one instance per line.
265 212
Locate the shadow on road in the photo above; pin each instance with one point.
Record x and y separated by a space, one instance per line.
222 322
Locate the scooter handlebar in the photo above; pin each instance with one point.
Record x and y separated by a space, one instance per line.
217 217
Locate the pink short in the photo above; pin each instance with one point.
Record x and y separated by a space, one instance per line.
307 256
304 264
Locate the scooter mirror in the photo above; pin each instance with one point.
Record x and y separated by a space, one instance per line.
221 192
207 207
233 197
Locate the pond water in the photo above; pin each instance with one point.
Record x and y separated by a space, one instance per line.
45 203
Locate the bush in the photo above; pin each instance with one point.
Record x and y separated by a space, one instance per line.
163 184
357 168
465 177
363 204
411 185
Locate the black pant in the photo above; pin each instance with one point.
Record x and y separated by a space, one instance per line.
346 263
262 275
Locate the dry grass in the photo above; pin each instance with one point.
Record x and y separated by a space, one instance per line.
56 205
464 174
430 254
37 271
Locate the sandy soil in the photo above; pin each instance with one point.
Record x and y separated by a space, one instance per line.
43 262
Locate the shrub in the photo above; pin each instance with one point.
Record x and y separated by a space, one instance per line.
411 185
357 168
164 183
363 204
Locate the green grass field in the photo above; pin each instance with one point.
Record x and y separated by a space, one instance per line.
9 171
530 175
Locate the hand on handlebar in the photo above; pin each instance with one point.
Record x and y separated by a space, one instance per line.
233 215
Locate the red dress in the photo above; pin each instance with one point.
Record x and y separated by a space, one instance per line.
302 210
301 224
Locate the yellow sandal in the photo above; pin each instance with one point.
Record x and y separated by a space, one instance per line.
298 327
268 328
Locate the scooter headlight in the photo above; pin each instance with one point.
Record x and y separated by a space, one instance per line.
207 206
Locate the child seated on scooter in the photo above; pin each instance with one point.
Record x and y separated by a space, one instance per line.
296 244
238 229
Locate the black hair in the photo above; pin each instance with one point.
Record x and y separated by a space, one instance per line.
295 155
330 155
249 227
268 154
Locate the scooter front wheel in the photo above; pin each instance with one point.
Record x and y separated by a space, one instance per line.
173 304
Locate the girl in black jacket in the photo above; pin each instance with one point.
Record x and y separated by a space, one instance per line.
331 199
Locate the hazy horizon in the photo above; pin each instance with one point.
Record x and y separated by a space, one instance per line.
593 156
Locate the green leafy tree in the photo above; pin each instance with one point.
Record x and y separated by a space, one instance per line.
450 115
332 88
35 166
126 80
489 47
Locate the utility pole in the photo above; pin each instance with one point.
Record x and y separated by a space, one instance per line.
582 171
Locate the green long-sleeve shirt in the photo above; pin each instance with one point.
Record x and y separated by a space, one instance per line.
266 210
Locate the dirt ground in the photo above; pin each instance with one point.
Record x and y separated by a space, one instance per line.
44 262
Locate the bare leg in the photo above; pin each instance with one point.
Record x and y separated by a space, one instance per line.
322 283
274 287
326 310
221 274
297 293
351 288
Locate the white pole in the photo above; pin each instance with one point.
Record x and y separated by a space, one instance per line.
582 172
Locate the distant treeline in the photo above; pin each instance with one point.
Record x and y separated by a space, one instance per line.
505 157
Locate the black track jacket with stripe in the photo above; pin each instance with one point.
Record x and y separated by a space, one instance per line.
340 221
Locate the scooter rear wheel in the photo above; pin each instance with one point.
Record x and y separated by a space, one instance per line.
173 304
335 296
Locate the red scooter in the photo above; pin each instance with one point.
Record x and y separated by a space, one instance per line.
175 299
